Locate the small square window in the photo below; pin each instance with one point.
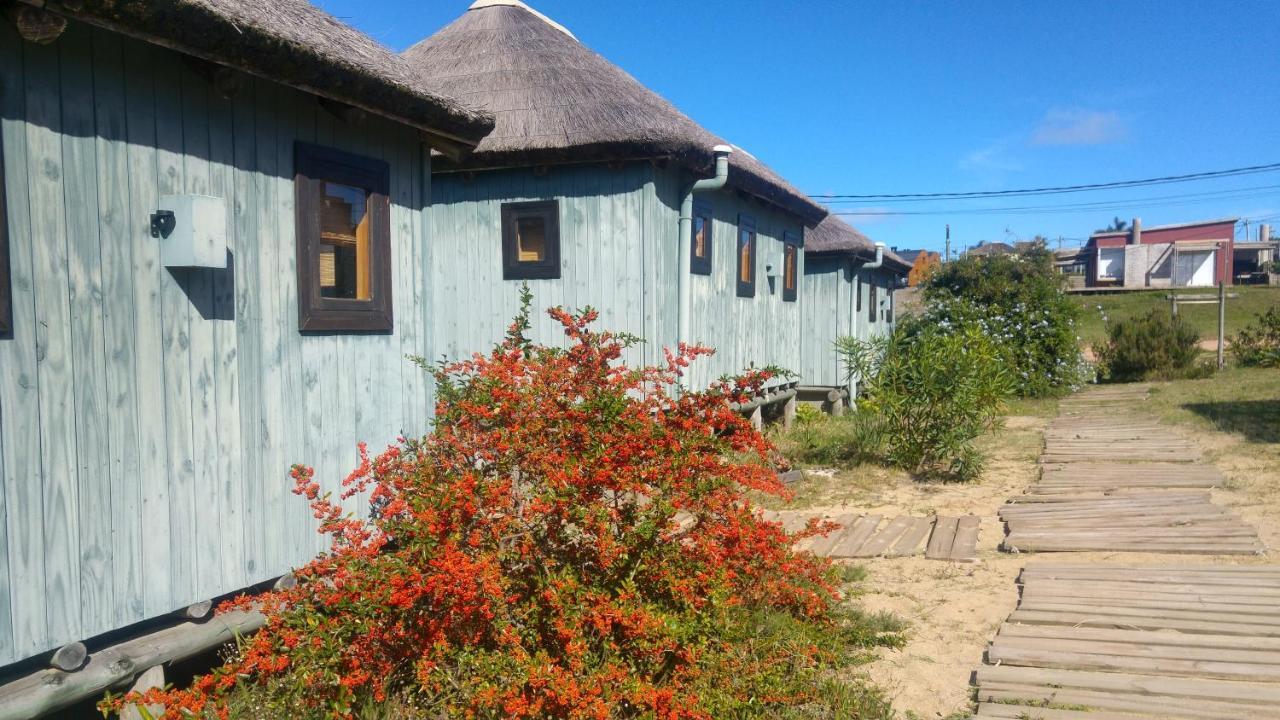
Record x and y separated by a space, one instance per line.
343 241
700 248
872 305
790 263
6 290
531 240
746 258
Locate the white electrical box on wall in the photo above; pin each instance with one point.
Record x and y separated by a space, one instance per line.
192 230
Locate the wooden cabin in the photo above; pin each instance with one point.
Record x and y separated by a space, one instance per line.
578 192
216 244
847 298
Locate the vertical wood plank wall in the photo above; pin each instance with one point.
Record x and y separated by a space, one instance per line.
149 416
619 231
829 297
608 256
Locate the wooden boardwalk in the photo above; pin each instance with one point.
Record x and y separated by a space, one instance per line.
868 536
1113 479
1104 642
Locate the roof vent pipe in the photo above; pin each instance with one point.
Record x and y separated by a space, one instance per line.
722 153
1135 232
879 258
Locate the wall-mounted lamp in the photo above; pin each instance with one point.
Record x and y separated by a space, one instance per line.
192 230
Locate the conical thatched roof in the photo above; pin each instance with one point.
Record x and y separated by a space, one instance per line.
834 236
292 42
557 100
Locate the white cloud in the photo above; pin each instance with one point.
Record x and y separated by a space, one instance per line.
994 157
1077 126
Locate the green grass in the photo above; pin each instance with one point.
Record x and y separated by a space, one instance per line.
1245 401
1240 312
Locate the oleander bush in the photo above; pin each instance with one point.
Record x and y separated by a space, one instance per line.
1020 302
1258 344
1158 345
933 390
572 540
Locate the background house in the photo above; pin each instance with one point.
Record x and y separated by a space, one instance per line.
843 296
923 262
1197 254
579 192
152 405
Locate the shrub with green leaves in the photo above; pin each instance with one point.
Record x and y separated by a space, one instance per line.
934 390
1020 302
1258 345
1157 345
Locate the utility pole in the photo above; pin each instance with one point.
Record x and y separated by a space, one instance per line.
948 256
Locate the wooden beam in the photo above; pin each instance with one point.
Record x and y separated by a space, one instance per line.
451 149
46 691
69 657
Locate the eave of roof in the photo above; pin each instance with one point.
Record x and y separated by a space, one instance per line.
296 44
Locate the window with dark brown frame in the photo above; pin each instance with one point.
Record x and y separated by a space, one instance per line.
872 306
6 289
344 241
700 243
857 293
531 240
790 267
745 260
888 312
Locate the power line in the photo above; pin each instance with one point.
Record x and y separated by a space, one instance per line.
1233 172
1261 191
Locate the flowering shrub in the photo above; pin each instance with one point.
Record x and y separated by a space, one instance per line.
1155 345
1259 343
571 541
1019 301
934 390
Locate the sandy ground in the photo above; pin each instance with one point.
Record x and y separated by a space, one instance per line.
955 609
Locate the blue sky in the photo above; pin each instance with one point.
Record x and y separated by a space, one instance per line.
903 97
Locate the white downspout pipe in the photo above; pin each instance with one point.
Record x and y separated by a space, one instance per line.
874 264
722 153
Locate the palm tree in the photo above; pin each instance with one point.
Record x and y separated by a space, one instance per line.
1117 225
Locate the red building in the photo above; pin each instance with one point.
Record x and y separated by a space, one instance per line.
1195 254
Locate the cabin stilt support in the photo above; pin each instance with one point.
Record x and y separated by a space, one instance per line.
757 418
789 413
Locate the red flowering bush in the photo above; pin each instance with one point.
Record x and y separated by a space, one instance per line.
571 541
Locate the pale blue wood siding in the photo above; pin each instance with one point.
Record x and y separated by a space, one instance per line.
149 416
831 293
619 245
609 259
744 331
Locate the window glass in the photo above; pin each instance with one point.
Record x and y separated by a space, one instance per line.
745 262
873 306
700 246
531 240
345 252
790 259
343 241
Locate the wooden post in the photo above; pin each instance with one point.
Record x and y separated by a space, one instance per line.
1222 320
757 418
69 657
789 413
837 406
1173 305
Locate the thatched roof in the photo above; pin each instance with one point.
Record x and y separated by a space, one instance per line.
834 236
294 43
558 101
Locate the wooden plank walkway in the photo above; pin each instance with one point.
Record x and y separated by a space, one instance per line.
869 536
1096 642
1114 480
